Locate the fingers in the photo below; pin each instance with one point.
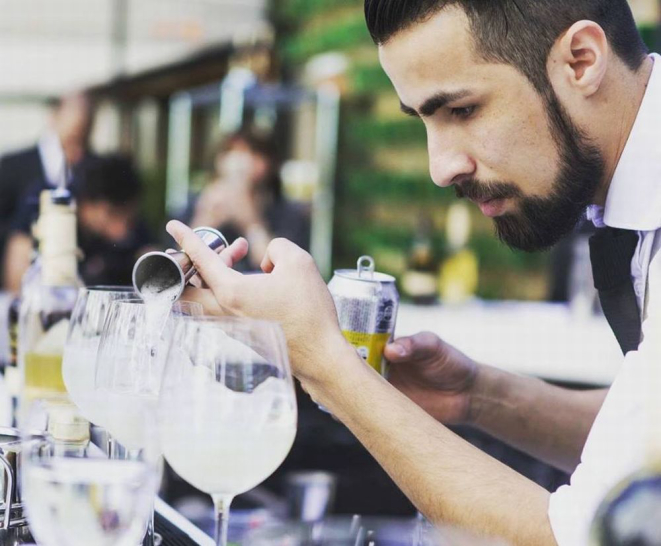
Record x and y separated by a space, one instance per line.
196 282
420 345
399 350
212 268
203 297
279 251
235 252
230 255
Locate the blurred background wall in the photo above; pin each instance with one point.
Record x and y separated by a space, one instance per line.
48 48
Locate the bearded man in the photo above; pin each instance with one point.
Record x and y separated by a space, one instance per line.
536 110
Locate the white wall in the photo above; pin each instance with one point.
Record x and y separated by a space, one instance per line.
49 47
20 125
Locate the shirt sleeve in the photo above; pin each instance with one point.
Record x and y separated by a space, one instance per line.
26 213
616 445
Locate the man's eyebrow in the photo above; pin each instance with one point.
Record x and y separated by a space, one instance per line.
432 104
408 110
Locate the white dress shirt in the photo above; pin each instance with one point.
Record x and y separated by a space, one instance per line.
52 158
616 445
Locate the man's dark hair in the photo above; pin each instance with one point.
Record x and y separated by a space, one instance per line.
112 178
520 33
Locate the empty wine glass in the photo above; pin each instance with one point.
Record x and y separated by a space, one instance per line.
76 496
227 409
82 344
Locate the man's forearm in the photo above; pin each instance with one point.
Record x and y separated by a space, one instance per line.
548 422
448 480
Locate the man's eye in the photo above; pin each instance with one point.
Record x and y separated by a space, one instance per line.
463 113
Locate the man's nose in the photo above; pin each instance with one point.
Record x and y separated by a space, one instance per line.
448 163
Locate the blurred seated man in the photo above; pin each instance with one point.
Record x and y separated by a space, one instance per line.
245 199
58 155
111 234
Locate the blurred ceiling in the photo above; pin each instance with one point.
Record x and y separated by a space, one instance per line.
51 46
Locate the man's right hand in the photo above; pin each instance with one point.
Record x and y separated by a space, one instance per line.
433 374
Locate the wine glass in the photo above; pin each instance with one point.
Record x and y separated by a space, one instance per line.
227 408
129 367
76 496
82 344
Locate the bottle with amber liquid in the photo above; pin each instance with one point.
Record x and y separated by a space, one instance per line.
12 374
419 281
458 275
47 300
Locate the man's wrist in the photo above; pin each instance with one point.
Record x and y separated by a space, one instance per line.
336 360
487 387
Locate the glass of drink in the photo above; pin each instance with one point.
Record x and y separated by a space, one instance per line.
227 408
76 496
82 344
129 368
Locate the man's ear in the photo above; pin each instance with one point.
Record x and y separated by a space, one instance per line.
579 59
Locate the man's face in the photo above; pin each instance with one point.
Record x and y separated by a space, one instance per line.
106 220
73 123
515 154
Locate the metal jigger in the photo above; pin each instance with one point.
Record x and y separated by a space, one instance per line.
161 271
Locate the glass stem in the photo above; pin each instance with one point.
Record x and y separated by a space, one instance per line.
149 536
149 540
132 455
112 447
221 504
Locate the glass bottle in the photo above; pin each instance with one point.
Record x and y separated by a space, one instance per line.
48 296
419 281
459 273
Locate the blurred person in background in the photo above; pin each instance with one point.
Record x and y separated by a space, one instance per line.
537 111
245 198
58 156
111 233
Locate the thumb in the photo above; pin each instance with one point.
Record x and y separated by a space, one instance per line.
421 345
398 350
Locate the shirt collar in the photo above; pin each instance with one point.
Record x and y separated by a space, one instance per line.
52 158
634 195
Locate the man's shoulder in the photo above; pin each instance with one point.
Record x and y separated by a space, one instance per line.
20 158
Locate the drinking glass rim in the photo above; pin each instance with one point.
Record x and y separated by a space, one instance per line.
109 288
128 301
140 301
228 319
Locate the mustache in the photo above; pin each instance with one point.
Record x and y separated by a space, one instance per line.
486 191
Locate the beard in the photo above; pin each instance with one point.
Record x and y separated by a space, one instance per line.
541 222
